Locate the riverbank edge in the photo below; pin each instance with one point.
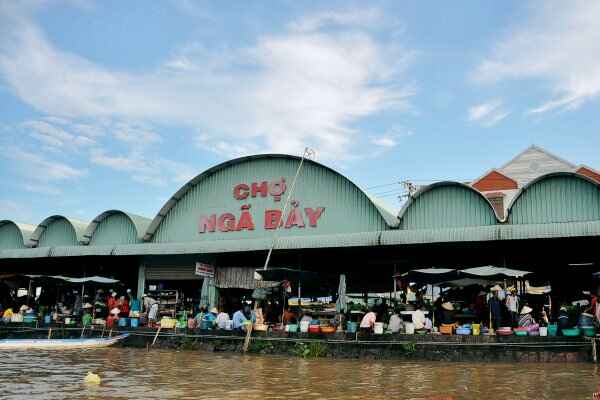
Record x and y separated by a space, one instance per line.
338 345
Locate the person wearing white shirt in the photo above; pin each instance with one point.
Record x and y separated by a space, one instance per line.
418 318
222 320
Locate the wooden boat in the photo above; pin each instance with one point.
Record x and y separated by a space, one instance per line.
59 344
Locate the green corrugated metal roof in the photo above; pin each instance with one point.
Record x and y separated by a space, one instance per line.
37 252
362 239
317 186
71 251
492 232
558 197
116 227
446 205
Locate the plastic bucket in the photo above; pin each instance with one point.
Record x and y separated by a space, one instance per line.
378 329
304 326
543 331
292 328
134 322
476 329
123 322
204 324
228 325
409 327
552 329
351 327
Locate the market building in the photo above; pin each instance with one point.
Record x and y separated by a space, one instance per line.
537 212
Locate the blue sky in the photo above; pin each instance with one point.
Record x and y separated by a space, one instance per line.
115 104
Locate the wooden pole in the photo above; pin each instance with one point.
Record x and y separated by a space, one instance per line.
307 152
156 336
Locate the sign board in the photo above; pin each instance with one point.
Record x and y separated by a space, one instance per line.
205 270
296 217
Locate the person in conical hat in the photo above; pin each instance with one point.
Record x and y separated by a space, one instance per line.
525 319
448 313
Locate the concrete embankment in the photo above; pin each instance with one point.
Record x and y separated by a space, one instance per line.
341 345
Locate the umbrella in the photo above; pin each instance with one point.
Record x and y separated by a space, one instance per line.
341 305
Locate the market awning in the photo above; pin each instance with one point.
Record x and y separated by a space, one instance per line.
429 275
490 271
95 279
464 282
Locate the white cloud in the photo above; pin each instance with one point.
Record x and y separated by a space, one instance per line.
307 86
391 138
39 173
136 134
152 170
489 113
362 17
559 44
56 137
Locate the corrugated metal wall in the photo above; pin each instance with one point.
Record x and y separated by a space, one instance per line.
10 237
448 207
59 232
557 199
347 209
117 228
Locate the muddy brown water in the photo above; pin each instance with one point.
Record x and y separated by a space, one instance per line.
134 373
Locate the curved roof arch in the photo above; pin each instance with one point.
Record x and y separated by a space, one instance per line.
58 230
116 227
14 235
387 216
446 204
556 197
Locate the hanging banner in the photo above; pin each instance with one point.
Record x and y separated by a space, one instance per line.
205 270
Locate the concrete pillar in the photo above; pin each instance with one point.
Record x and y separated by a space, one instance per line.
141 281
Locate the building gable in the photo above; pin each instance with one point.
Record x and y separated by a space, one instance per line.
533 163
494 180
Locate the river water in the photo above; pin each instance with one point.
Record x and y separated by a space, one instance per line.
134 373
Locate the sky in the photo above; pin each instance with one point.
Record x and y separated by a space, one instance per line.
116 105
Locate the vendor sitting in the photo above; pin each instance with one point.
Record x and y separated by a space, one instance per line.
418 317
211 316
396 325
448 314
114 316
368 322
563 319
240 317
526 320
87 316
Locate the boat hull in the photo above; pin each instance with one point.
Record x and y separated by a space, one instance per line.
59 344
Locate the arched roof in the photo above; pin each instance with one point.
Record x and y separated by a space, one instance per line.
14 235
556 197
446 204
71 234
388 216
140 225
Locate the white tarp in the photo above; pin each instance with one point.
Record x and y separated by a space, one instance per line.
97 279
492 271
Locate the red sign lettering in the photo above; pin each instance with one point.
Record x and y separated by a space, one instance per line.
272 219
261 188
314 215
208 224
240 191
226 222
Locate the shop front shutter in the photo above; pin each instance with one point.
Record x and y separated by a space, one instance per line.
171 273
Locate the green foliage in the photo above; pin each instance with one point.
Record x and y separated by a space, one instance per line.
260 346
311 350
409 347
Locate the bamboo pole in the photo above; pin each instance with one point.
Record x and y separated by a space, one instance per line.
307 152
156 336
